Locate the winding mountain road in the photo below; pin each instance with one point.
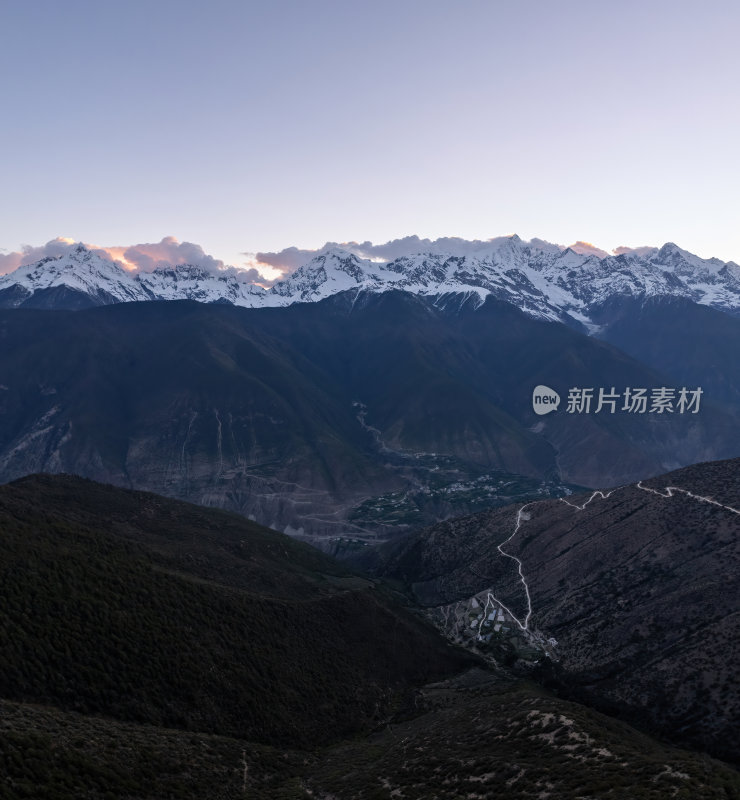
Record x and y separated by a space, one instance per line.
667 492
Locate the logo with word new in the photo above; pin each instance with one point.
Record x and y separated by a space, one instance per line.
544 400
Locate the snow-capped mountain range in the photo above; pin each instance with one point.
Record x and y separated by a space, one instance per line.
545 281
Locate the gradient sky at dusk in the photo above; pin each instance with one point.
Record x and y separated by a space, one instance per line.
254 126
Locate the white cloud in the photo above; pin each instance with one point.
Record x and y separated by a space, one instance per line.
292 258
640 251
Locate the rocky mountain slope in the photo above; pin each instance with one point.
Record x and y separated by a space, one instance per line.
638 588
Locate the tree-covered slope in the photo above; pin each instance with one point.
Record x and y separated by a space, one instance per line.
140 608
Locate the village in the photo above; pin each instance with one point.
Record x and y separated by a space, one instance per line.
483 624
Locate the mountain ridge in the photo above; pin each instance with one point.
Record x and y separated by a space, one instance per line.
544 281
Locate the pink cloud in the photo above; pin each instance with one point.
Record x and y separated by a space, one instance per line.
588 249
29 254
169 251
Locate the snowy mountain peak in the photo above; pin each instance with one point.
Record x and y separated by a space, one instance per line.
671 255
339 259
79 271
327 273
178 272
196 282
543 280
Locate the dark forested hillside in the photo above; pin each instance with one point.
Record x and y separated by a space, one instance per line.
145 609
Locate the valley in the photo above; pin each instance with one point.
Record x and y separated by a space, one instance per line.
256 410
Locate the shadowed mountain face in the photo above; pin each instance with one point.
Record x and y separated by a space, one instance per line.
692 343
640 588
360 415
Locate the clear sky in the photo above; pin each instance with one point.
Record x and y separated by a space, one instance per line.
254 126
